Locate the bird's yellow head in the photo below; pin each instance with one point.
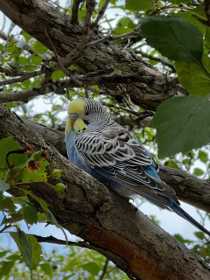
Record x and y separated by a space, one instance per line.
76 113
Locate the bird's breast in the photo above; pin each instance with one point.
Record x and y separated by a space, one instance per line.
73 154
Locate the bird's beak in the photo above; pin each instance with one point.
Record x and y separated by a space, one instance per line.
73 116
71 120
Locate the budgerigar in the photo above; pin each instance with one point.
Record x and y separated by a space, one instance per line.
107 151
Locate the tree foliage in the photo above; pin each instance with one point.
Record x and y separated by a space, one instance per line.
156 82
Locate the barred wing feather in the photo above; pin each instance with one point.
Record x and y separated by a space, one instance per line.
117 155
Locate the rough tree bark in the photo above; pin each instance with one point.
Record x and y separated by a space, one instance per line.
189 188
88 209
117 71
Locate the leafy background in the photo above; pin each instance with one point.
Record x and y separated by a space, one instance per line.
174 37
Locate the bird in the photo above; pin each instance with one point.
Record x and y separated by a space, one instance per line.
100 146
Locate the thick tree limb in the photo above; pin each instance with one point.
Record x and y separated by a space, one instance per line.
39 18
188 187
74 81
89 210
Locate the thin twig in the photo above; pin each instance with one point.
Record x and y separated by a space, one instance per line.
104 270
110 37
101 12
13 72
158 59
47 87
21 78
74 11
59 60
51 239
207 11
4 228
90 6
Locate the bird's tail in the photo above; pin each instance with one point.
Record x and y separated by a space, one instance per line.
178 210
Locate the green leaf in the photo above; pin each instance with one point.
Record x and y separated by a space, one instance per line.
10 154
39 48
47 268
30 214
200 235
92 268
186 75
53 220
57 75
124 25
23 60
196 17
203 156
35 171
3 253
5 268
6 203
137 5
173 37
24 246
29 248
171 164
7 145
198 172
182 123
36 60
39 200
26 36
36 251
206 51
181 239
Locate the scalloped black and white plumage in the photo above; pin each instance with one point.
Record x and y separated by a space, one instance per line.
107 151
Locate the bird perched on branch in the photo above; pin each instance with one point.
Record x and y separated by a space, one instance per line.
106 150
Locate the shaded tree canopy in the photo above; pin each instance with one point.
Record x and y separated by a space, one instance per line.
148 62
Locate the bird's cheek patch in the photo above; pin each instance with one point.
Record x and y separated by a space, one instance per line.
79 125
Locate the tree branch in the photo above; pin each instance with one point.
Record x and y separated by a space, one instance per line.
101 12
52 240
104 270
189 188
75 10
158 59
90 6
90 211
76 81
207 11
37 17
22 78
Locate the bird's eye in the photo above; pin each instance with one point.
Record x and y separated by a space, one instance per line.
86 122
